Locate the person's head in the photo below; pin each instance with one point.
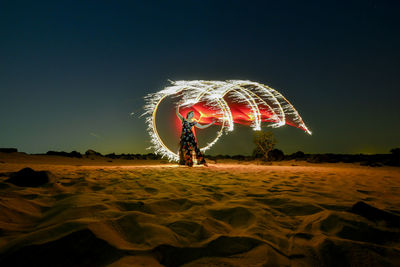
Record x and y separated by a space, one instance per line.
190 115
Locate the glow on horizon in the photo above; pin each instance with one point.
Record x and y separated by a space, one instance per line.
247 94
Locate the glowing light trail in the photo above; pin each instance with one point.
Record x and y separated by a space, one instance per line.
254 103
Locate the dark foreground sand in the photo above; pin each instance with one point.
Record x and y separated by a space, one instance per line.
150 213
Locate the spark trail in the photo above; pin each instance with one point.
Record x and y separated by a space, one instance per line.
229 102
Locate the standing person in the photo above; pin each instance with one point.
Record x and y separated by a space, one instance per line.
188 142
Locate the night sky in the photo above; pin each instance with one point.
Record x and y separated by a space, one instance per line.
71 72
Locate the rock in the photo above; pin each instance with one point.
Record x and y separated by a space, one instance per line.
29 178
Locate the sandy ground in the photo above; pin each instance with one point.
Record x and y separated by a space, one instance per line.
154 213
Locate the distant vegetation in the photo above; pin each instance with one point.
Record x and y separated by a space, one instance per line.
376 160
73 154
91 154
395 152
8 150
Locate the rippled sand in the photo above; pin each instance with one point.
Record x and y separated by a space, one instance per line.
153 213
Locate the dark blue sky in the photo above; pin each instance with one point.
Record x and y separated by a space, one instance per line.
72 71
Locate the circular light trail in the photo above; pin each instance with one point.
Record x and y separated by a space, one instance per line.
254 103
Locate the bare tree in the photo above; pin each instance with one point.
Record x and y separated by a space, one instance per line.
265 141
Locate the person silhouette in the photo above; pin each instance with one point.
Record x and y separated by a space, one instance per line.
188 142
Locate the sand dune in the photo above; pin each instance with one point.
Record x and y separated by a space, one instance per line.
153 213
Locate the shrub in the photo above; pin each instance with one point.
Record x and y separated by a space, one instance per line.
265 141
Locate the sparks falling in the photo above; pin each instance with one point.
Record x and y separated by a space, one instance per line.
229 102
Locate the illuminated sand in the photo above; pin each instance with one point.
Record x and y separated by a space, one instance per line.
145 213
